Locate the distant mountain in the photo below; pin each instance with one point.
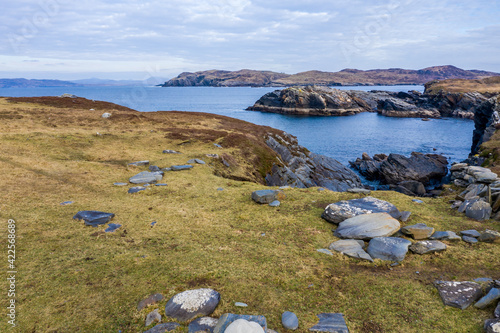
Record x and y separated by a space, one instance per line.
24 83
345 77
152 81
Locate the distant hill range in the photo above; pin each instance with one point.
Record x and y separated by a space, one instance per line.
345 77
24 83
93 82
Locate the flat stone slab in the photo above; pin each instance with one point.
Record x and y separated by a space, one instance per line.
359 190
181 167
427 246
203 324
93 217
65 203
368 226
161 328
325 251
418 231
388 248
161 184
146 177
240 304
489 236
470 240
342 210
289 320
226 319
445 235
482 175
459 294
150 300
111 228
192 303
265 196
170 151
139 163
120 184
136 189
491 297
470 233
196 160
330 322
351 248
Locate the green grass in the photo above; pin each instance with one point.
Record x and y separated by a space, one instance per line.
75 278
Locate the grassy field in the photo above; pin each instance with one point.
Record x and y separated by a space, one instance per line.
489 85
75 278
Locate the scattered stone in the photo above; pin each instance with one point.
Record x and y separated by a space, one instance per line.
470 240
181 167
196 160
153 223
388 248
330 322
368 226
161 184
492 296
111 228
265 196
342 210
136 189
359 190
458 294
203 324
153 316
242 325
470 233
66 95
166 169
445 235
139 163
170 151
120 184
220 189
217 145
418 201
240 304
105 114
161 328
289 320
145 177
65 203
275 203
325 251
482 175
418 231
490 236
93 217
226 319
213 155
497 311
492 326
479 210
192 303
405 215
152 299
428 246
154 168
351 248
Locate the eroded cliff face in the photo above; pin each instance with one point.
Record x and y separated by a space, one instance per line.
486 121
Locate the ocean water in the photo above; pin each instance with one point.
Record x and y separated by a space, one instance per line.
343 138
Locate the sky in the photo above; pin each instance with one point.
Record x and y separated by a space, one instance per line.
63 39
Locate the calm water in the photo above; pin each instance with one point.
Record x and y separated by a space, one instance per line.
343 138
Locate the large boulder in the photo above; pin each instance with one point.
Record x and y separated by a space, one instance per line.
388 248
342 210
478 210
192 303
368 226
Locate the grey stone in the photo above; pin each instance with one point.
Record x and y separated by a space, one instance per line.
220 189
466 204
482 175
470 233
325 251
470 240
226 319
490 298
428 246
112 227
342 210
203 324
265 196
213 155
418 231
240 304
405 215
136 189
330 322
351 247
445 235
154 168
479 210
275 203
388 248
146 177
93 217
289 320
418 201
490 236
458 167
459 294
492 326
153 316
161 328
65 203
456 204
152 299
496 313
368 226
196 160
120 184
161 184
192 303
473 190
139 163
181 167
359 190
217 145
170 151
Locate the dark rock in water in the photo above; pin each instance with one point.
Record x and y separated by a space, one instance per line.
388 248
161 328
429 246
330 322
368 226
139 163
203 324
192 303
265 196
226 319
136 189
112 227
152 299
181 167
490 298
93 217
339 211
289 320
459 294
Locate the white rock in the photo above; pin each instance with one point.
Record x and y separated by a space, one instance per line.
244 326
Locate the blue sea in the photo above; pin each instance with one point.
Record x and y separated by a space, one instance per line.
343 138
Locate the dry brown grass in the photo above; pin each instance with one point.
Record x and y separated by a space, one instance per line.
490 85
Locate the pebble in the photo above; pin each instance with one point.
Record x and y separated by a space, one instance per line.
136 189
111 228
139 163
65 203
120 184
275 203
161 184
170 151
153 316
217 145
152 299
220 189
289 320
418 201
325 251
240 304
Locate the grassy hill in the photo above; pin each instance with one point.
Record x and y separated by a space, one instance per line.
489 85
75 278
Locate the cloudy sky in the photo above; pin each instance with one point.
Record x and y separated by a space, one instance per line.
132 39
